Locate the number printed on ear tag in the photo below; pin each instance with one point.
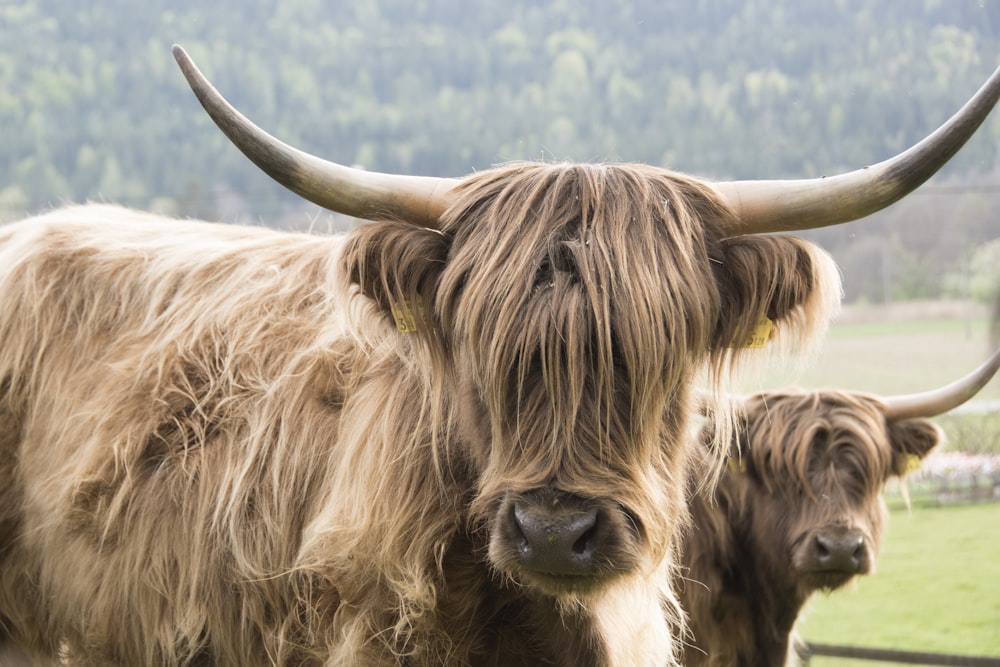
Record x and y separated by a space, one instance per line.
760 335
406 319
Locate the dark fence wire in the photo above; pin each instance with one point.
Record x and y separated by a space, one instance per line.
811 650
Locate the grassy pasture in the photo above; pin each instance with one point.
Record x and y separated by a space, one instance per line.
897 350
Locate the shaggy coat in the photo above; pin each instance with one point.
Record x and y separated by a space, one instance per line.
798 509
218 446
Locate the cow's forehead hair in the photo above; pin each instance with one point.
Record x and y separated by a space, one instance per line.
793 434
580 275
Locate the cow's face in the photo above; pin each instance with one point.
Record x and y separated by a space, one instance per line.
570 306
815 466
574 335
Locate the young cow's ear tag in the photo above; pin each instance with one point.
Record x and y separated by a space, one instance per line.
760 335
405 317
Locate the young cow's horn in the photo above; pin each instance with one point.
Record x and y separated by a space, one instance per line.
941 400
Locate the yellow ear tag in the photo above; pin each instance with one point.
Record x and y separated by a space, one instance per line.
406 319
912 464
736 465
760 335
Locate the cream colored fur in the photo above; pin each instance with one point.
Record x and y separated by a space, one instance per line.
215 447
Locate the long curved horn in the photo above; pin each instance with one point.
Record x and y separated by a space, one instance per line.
789 205
355 192
943 399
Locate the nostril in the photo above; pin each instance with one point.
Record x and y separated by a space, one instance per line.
521 533
516 518
522 516
822 547
859 551
584 545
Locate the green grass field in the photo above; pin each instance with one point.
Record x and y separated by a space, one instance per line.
899 356
937 589
938 582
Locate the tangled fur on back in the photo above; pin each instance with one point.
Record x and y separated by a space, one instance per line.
217 449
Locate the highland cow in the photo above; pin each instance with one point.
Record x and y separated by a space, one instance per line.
798 509
454 435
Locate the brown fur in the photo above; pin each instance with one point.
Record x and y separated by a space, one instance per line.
810 461
217 449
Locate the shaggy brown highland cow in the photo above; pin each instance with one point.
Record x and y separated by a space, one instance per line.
799 509
454 436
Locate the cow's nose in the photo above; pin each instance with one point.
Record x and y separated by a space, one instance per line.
557 540
841 551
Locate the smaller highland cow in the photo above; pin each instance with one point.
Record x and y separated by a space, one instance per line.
799 509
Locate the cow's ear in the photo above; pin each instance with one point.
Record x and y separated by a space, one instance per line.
911 440
785 282
398 265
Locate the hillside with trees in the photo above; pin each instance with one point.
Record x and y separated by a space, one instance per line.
92 106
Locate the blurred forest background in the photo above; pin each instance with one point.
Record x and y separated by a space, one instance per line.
92 106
